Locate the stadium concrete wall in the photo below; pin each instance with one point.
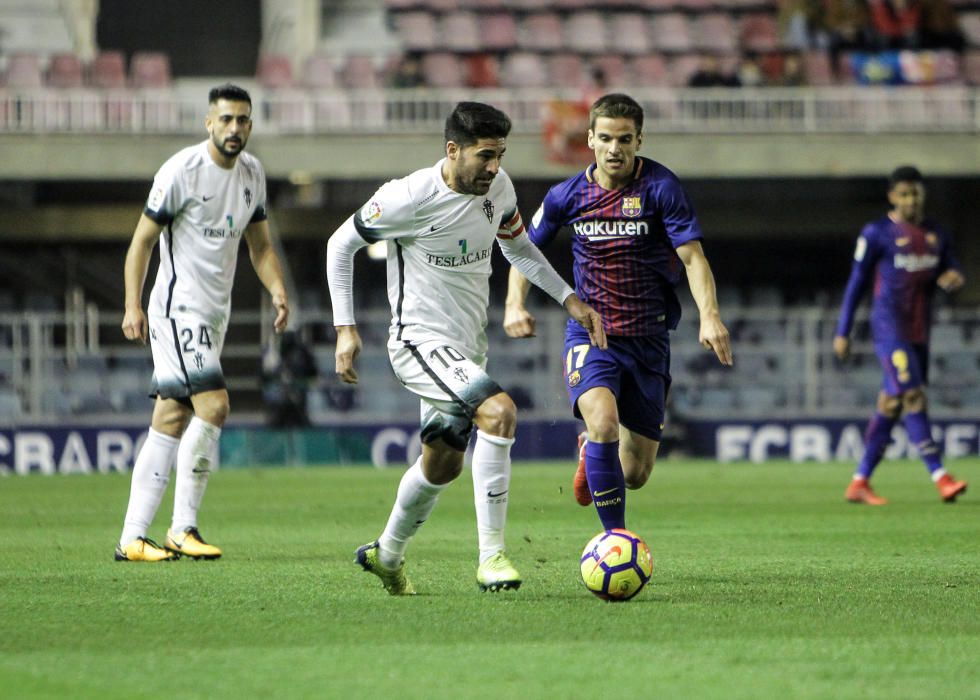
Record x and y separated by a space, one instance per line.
89 450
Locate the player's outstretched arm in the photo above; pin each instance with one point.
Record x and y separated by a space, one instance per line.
348 348
518 321
713 334
269 269
134 324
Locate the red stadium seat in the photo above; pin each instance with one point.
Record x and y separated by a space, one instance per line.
759 33
459 32
585 32
360 71
441 69
540 32
566 70
630 32
649 71
671 32
613 70
499 31
523 69
274 71
417 31
108 70
65 71
319 72
715 31
149 69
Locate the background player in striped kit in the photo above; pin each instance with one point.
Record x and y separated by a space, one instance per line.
440 224
908 256
204 200
633 227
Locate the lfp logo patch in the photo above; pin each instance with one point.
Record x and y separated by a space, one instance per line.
371 212
632 206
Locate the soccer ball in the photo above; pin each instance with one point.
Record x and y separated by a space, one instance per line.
616 564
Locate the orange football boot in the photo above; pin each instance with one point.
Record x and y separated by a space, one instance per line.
859 491
580 484
950 488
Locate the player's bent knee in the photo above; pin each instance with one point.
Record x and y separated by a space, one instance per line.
497 415
914 400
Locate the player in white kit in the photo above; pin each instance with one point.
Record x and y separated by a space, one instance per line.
204 200
440 225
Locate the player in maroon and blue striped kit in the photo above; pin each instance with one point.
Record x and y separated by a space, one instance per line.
907 256
634 232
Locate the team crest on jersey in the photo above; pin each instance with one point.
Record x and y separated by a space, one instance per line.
932 239
488 209
574 378
371 212
632 206
156 199
248 197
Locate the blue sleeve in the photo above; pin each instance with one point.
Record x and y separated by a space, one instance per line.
677 213
948 261
547 220
866 255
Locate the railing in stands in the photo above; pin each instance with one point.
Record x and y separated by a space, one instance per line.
856 109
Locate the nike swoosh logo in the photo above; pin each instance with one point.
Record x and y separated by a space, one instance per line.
491 494
600 494
200 471
435 228
204 199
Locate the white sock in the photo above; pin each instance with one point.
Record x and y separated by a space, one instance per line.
491 481
416 498
151 475
196 457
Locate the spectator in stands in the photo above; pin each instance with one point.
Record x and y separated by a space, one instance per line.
288 367
907 256
634 236
709 74
940 28
408 73
896 24
799 23
792 74
204 200
847 24
749 73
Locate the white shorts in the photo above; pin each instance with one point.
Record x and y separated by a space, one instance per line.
451 385
186 356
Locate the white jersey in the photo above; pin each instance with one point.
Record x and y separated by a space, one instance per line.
440 244
204 209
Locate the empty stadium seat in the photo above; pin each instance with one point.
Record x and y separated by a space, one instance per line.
442 69
540 32
523 69
648 71
715 31
108 70
149 69
612 68
671 32
274 71
499 31
629 33
482 70
65 71
585 32
817 68
459 32
359 71
319 71
417 31
566 70
758 32
23 71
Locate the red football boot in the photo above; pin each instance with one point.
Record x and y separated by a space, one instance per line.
859 491
950 488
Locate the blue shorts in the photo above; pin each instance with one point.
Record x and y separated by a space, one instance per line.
905 365
636 370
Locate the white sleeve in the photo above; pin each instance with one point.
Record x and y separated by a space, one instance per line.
531 263
341 247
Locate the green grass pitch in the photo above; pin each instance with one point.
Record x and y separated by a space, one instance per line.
766 585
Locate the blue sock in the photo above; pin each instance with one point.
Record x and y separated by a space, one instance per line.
920 433
606 482
876 439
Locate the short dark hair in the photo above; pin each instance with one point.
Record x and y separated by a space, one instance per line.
472 121
904 173
229 92
616 105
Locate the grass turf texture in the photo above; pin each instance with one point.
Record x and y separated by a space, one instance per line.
766 584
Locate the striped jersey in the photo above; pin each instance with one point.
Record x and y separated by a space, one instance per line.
903 260
623 242
204 210
439 249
